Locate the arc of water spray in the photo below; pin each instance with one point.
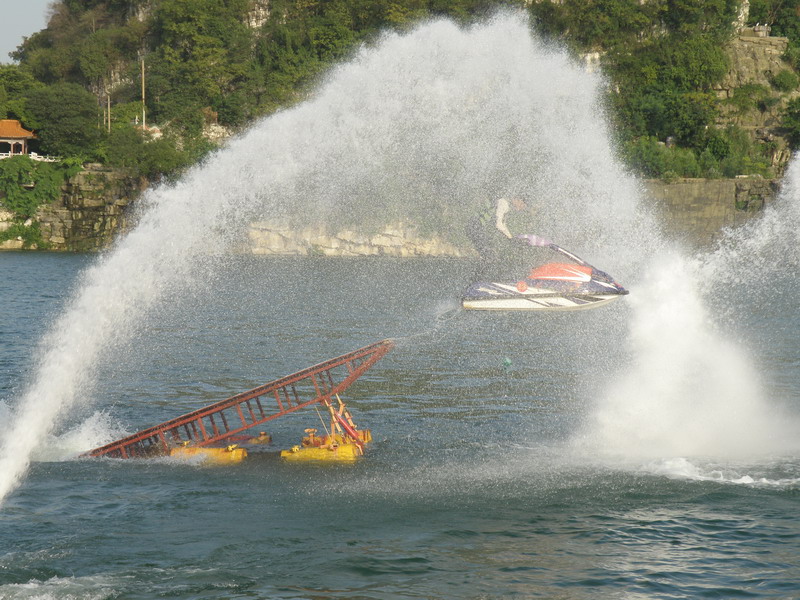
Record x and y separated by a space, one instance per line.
440 117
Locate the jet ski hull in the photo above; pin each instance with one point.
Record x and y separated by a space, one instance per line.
553 286
539 302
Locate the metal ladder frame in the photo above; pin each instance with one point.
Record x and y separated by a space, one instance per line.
217 422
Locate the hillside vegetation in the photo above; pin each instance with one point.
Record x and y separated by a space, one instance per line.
216 65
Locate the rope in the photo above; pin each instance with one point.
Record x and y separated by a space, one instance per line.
441 320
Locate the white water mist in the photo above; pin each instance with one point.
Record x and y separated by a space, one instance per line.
691 389
441 116
687 391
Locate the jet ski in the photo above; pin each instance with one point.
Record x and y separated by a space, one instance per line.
551 286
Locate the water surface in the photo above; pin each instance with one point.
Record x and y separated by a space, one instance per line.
475 486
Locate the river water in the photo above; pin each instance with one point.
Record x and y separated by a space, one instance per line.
484 480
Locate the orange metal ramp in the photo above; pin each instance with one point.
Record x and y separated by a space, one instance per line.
218 422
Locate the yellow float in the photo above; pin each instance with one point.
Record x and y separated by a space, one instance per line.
217 456
335 452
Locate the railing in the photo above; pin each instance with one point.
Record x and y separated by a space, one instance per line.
32 156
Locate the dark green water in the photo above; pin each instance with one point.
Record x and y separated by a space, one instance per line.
473 487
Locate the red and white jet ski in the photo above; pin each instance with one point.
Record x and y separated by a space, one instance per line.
551 286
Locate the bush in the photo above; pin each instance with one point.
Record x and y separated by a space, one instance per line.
791 122
652 158
145 157
785 81
31 235
729 152
792 56
748 97
742 156
682 162
717 144
709 164
27 184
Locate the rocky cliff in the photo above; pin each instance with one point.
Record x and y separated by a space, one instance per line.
691 211
91 210
95 205
750 98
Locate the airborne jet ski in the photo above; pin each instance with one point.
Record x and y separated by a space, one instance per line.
551 286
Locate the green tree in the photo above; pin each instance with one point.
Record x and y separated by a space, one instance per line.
17 82
65 117
689 16
785 81
610 23
204 49
781 15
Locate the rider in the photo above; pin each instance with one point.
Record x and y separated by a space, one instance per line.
501 251
488 230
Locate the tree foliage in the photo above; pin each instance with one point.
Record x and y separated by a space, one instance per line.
146 157
725 153
65 117
781 15
663 57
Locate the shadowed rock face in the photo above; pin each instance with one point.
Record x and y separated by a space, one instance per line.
91 211
695 211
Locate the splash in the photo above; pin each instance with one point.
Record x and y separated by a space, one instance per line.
776 474
95 587
691 389
98 429
422 126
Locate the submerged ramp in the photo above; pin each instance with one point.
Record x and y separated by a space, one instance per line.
218 422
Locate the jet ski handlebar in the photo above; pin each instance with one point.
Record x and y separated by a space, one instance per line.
535 240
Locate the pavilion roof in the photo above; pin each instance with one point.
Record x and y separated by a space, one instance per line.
11 128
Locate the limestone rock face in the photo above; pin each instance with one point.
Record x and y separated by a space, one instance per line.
6 219
754 60
258 14
394 240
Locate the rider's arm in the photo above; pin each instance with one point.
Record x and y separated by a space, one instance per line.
501 211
